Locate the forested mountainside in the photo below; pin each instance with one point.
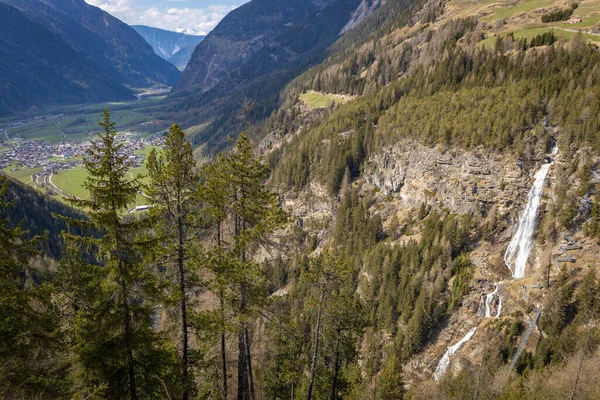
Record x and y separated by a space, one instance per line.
36 214
412 214
68 52
252 54
238 36
434 124
175 47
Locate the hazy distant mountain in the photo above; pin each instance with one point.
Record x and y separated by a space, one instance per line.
66 51
175 47
253 53
241 34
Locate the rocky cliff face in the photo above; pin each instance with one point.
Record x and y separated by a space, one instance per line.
404 176
453 179
366 8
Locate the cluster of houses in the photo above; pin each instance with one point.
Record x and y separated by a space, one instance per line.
55 156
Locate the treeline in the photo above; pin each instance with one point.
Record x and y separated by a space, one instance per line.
557 83
559 15
508 42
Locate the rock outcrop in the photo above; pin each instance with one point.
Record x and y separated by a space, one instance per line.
457 180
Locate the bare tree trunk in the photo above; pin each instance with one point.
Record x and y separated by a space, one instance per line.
316 350
127 317
587 338
223 347
336 367
294 371
223 350
242 373
184 321
249 362
128 346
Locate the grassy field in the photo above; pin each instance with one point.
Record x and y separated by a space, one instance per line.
22 174
146 150
71 181
79 122
525 6
523 18
320 100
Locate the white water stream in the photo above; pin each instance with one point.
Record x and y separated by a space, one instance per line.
488 302
445 361
518 250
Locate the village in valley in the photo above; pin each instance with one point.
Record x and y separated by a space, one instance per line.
36 163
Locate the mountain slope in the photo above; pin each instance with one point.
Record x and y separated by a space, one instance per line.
253 54
175 47
240 35
78 53
63 75
34 211
438 133
182 57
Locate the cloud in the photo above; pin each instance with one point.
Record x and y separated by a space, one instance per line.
166 15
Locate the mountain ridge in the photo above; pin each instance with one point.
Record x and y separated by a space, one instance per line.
254 67
110 57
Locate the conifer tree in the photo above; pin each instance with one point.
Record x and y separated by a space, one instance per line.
245 214
588 297
390 385
556 311
256 215
119 354
325 274
215 197
173 192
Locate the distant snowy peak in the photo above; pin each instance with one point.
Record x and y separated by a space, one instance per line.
190 32
175 47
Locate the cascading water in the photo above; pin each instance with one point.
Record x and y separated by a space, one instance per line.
518 250
488 302
445 361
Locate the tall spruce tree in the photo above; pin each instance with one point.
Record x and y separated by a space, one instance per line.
215 197
117 351
326 274
256 215
173 192
245 213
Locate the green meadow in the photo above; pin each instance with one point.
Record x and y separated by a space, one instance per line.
321 100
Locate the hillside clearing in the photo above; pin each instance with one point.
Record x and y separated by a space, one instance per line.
322 100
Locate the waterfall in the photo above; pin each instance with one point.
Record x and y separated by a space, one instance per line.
445 361
518 250
488 301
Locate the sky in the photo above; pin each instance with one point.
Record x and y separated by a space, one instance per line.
199 15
